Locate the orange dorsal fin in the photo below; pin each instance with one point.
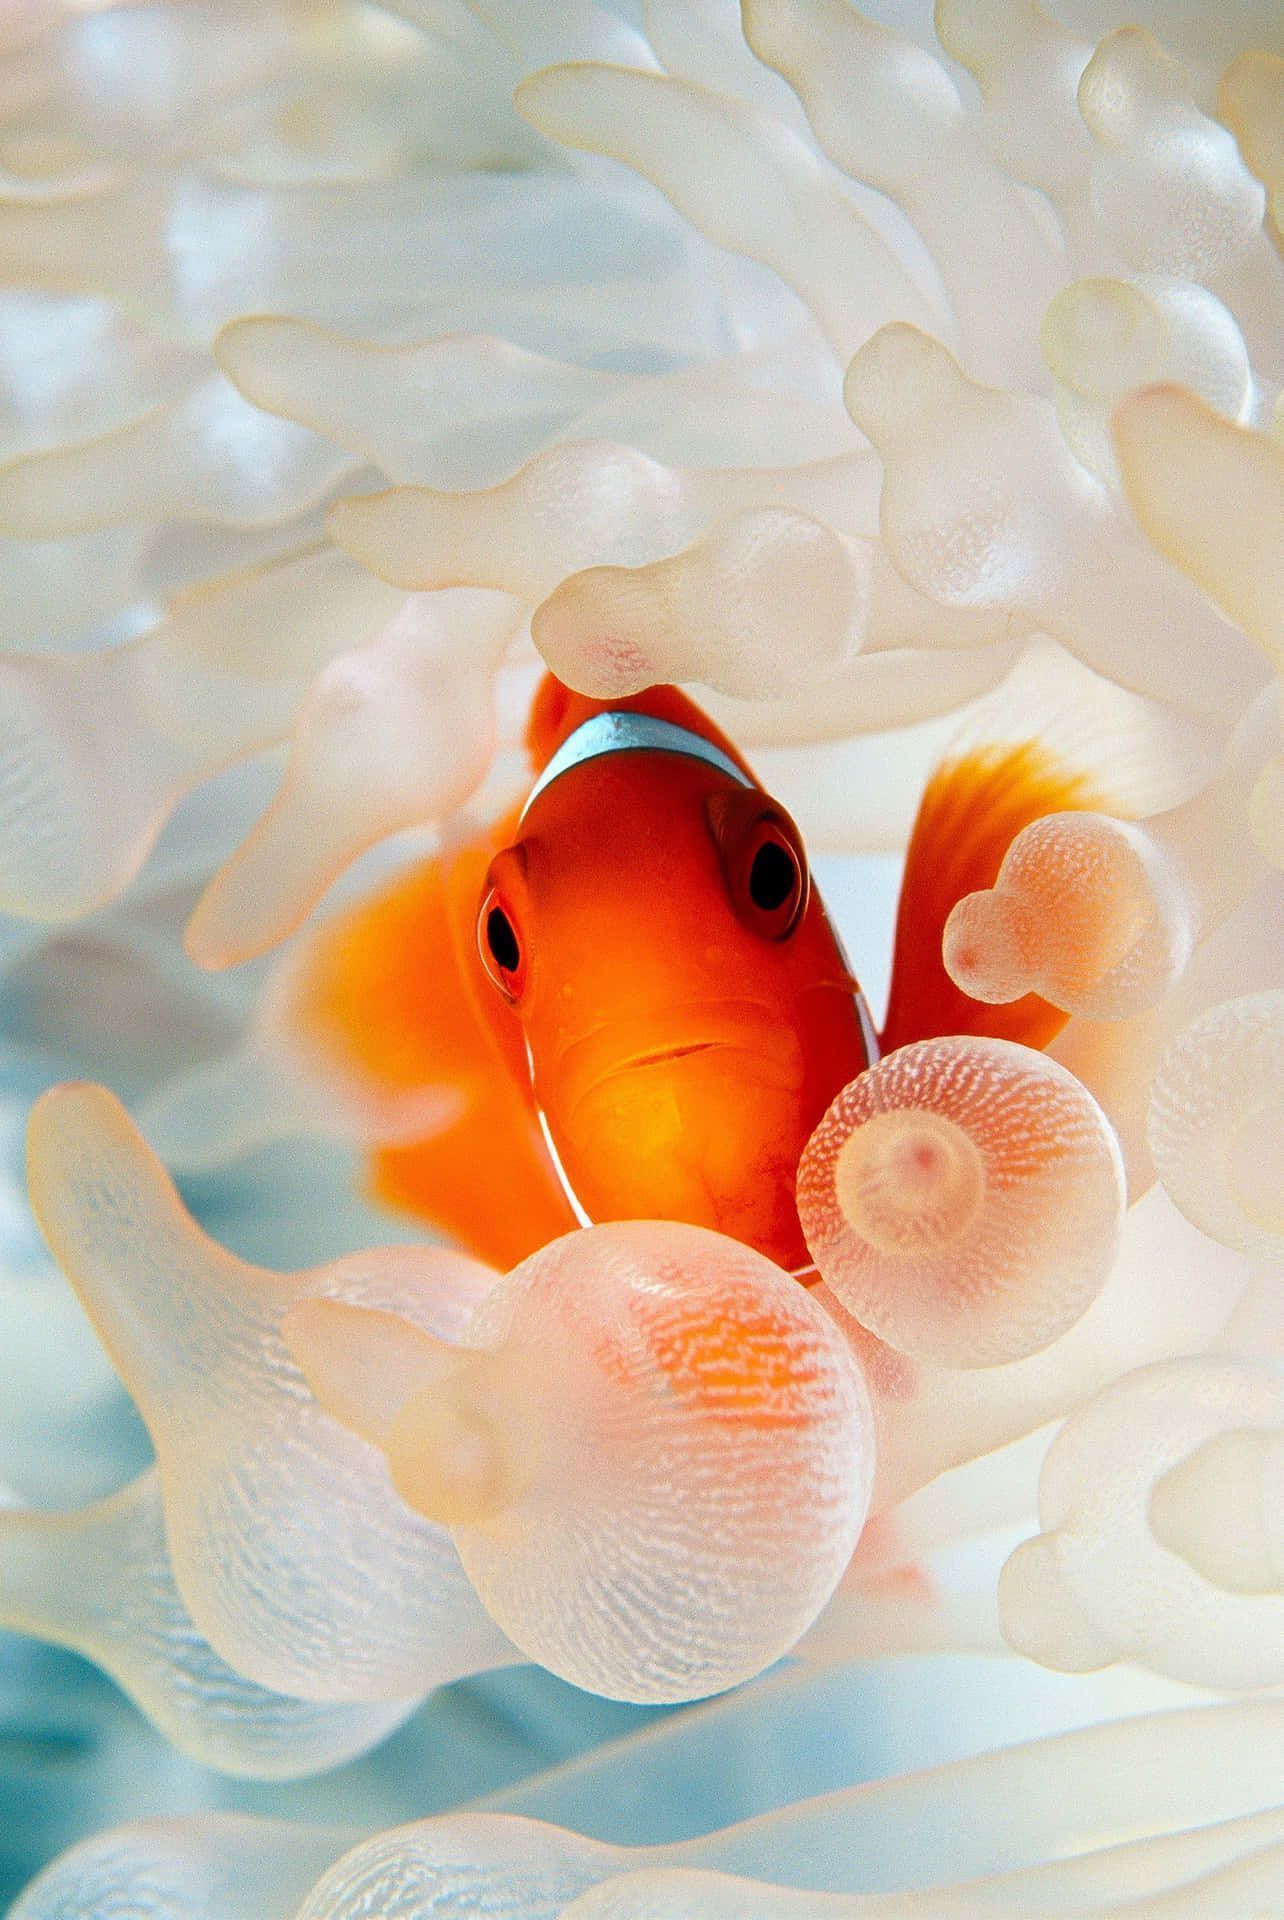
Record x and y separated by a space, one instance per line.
972 809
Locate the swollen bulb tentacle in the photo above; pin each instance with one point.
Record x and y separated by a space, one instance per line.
742 178
889 115
208 457
1100 915
1102 338
209 1866
1210 496
252 1473
99 1581
1027 65
583 504
1147 1552
1085 911
389 736
1222 1510
984 505
363 1364
1171 190
97 750
721 612
1250 100
725 1416
1216 1122
964 1200
467 409
724 612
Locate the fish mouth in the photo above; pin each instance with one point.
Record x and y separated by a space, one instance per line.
768 1067
661 1055
737 1038
730 1023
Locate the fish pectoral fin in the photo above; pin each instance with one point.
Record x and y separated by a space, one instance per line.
379 1010
373 1003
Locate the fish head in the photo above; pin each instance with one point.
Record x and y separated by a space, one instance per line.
687 1010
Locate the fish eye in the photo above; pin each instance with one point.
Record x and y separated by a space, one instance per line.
502 941
770 878
499 946
773 876
762 858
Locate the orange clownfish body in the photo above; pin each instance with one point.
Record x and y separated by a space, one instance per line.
686 1007
631 986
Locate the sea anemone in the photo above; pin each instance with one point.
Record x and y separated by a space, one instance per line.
909 388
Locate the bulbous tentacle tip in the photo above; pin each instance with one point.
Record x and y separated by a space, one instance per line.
1104 338
253 346
732 1447
1101 337
84 1154
986 946
1086 911
720 613
548 100
207 942
899 375
465 1451
381 532
909 1181
1123 82
459 1427
1266 811
1160 1508
1216 1122
67 1102
989 36
361 1363
1040 1616
1222 1510
1209 494
963 1199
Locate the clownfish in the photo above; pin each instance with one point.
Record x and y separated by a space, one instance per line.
631 988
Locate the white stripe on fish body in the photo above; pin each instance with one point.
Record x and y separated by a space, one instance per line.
616 732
